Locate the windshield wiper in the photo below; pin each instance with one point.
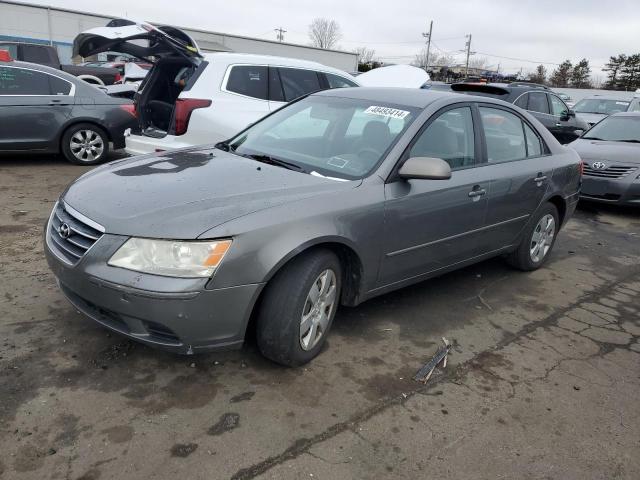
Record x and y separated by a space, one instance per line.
274 161
594 138
631 140
224 146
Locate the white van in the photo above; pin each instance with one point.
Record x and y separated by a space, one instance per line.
190 98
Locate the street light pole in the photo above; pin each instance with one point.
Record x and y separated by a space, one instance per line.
428 37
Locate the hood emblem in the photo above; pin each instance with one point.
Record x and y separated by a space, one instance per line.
64 230
599 165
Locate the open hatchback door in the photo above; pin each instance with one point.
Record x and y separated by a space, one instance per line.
138 39
175 56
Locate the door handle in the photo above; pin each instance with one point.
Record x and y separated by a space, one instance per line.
558 124
58 102
477 192
540 178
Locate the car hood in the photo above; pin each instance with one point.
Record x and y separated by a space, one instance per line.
182 194
405 76
607 151
591 118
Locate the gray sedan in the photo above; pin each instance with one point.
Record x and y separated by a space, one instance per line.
336 198
611 155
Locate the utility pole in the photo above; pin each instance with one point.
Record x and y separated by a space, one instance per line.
428 37
468 46
281 33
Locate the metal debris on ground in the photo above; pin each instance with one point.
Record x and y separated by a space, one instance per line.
424 374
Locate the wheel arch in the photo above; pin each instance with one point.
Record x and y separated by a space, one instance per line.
561 204
76 121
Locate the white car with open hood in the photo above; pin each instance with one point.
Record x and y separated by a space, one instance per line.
191 98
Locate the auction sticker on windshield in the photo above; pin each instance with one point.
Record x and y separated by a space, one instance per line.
386 112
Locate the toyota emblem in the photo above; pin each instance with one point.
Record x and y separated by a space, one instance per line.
599 165
64 230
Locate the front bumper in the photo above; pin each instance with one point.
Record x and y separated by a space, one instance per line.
620 191
175 314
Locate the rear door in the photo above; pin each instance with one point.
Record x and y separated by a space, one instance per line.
433 224
294 83
518 164
246 96
33 107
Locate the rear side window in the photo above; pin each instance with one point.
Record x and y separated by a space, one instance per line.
18 81
504 135
249 80
449 137
36 54
58 86
336 81
297 82
534 144
522 101
538 102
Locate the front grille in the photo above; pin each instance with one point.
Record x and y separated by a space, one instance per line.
615 171
70 235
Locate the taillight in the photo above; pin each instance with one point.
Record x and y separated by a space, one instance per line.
184 107
117 78
130 108
5 56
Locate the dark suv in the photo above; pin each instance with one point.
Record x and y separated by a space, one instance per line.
540 101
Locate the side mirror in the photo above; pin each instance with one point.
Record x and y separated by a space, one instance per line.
568 114
425 168
571 113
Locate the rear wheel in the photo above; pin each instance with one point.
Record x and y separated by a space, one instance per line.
538 240
299 307
85 144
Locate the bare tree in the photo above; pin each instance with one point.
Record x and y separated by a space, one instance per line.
435 60
479 62
365 55
324 33
420 60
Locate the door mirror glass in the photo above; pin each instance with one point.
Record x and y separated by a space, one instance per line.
425 168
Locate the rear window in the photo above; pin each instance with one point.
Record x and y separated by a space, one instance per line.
336 81
20 81
249 80
36 54
297 82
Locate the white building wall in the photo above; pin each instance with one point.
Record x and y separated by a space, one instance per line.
41 24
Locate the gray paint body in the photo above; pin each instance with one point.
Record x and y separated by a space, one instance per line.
37 122
396 232
624 190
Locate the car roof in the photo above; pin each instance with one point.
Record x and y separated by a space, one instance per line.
411 97
42 68
232 57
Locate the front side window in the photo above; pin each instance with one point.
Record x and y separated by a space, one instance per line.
504 135
249 80
336 137
19 81
449 137
297 82
558 107
538 102
336 81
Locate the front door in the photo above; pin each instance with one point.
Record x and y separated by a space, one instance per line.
33 107
565 126
433 224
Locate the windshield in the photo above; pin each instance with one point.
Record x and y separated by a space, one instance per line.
601 105
620 129
343 138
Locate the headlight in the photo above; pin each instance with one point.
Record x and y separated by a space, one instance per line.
172 258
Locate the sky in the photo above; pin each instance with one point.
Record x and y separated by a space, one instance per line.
510 34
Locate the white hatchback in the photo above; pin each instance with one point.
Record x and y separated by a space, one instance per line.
190 98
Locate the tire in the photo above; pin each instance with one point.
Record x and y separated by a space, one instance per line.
94 151
288 299
534 249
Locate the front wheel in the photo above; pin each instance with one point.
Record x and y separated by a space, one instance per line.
298 308
537 241
85 144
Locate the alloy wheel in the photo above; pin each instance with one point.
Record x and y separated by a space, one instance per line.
542 238
318 309
86 145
